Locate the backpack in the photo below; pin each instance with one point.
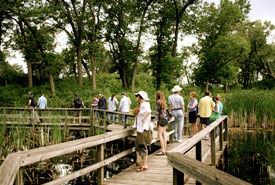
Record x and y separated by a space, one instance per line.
34 103
79 101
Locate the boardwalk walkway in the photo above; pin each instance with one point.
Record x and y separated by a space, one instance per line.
160 173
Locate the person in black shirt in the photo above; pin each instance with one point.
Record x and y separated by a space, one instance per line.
77 103
102 104
32 104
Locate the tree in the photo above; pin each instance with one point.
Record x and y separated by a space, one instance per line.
218 44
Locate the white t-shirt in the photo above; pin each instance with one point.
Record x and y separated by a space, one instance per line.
176 101
143 119
112 103
124 105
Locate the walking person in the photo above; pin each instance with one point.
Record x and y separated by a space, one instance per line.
142 124
77 104
206 105
161 119
219 99
192 111
102 104
42 105
176 107
112 106
95 106
124 107
32 104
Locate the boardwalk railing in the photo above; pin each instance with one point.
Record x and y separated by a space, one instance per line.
11 169
64 117
184 165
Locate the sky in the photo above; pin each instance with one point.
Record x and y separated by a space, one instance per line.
263 10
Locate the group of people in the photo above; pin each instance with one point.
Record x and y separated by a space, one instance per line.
41 104
207 107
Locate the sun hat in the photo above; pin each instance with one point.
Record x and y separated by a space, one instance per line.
176 88
143 94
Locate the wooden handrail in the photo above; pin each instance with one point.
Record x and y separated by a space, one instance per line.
13 162
202 172
190 143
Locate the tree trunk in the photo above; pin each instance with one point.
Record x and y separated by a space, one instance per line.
125 84
52 84
93 71
87 71
137 47
226 87
174 51
29 64
79 64
207 86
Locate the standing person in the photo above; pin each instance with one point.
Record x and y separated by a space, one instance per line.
32 104
42 104
219 99
192 109
77 103
215 112
176 107
95 106
102 104
206 105
112 106
161 118
124 106
142 124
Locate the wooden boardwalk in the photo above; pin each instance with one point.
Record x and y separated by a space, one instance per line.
160 173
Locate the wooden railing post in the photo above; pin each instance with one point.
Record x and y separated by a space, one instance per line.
100 157
178 177
91 121
213 145
125 122
33 116
226 129
5 115
66 123
221 135
171 136
19 177
105 121
198 156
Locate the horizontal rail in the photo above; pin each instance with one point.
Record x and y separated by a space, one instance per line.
202 172
190 143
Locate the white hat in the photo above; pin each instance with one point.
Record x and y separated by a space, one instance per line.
143 94
176 88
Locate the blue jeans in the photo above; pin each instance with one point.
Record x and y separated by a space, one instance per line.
179 122
122 118
111 115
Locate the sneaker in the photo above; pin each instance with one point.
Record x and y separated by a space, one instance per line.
206 138
180 140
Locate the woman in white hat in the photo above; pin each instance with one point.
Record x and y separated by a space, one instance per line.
176 107
142 124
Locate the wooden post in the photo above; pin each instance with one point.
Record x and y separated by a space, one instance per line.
19 177
125 122
198 156
221 136
226 129
5 115
33 120
105 121
178 177
100 157
213 145
66 122
171 136
91 121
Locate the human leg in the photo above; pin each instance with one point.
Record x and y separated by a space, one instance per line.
175 124
74 115
79 114
180 125
164 138
161 139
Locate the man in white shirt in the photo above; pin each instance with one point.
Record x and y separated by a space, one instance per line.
124 106
42 104
176 107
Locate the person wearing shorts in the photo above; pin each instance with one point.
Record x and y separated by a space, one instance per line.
206 105
193 108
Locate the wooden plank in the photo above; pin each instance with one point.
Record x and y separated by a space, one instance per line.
100 157
9 169
90 168
202 172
